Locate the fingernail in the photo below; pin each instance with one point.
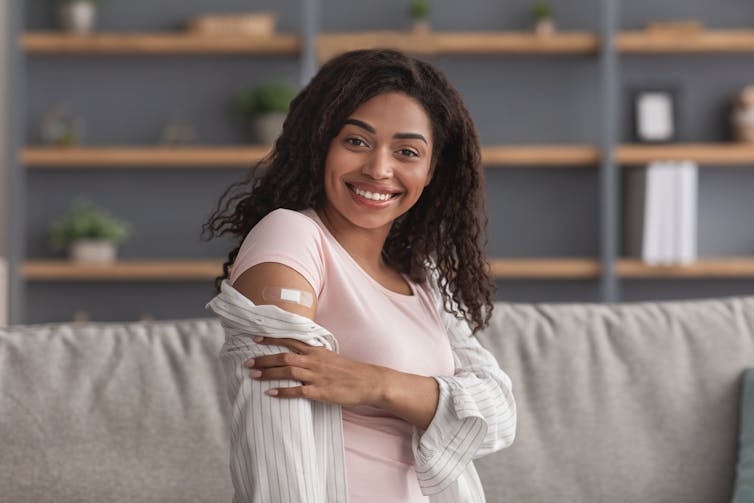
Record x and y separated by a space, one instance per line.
256 373
258 338
249 362
272 392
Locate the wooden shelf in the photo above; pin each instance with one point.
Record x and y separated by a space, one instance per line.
540 155
641 42
141 157
244 156
433 43
512 268
448 43
156 43
125 270
546 268
710 153
732 267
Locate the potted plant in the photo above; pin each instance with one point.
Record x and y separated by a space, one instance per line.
543 20
419 11
77 16
89 233
266 106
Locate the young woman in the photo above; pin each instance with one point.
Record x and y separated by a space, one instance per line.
358 282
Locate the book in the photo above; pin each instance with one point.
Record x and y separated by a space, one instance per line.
653 212
689 196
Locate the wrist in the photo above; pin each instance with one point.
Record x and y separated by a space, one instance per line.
383 388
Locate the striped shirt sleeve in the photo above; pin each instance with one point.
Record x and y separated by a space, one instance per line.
272 447
281 451
476 412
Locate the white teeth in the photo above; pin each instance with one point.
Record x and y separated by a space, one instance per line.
374 196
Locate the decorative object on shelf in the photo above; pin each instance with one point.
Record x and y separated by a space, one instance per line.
544 25
266 107
742 116
178 131
655 112
419 11
81 316
674 28
78 16
259 24
62 127
89 232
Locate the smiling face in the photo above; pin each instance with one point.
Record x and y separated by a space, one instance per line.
379 163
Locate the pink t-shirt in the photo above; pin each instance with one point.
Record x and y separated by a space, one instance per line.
372 324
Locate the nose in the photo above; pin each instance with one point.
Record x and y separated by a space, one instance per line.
379 165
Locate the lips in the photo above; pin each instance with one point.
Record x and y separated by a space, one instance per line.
373 192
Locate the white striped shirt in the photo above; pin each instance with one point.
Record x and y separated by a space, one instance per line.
291 450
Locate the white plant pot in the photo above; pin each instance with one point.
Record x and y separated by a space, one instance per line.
266 128
93 251
544 27
78 17
420 26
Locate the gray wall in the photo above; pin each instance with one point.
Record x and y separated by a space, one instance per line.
533 213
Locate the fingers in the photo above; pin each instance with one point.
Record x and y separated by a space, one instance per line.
305 391
294 344
292 373
276 360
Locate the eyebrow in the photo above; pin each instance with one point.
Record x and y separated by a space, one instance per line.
401 136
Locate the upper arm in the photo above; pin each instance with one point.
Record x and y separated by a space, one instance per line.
252 282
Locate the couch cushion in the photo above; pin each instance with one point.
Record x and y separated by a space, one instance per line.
619 403
113 412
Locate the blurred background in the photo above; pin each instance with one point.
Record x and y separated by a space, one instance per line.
618 140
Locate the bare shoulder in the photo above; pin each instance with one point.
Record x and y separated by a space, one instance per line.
274 276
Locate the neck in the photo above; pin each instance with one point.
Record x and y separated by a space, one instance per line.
364 245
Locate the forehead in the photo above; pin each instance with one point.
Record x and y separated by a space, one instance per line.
394 112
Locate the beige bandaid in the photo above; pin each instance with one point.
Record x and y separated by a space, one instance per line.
275 293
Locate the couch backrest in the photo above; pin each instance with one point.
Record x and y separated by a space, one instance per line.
98 412
617 403
634 402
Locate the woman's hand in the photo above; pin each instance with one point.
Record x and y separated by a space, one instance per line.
325 375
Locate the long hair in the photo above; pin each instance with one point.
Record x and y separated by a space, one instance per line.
445 228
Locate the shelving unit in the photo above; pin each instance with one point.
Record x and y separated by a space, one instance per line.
54 43
312 47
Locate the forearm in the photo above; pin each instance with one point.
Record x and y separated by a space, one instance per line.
409 396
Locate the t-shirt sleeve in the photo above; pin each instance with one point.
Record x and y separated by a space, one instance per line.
286 237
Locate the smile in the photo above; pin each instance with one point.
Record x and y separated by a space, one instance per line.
373 196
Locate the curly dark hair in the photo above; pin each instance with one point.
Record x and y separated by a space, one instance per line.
446 227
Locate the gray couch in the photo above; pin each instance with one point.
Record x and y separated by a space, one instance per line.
617 403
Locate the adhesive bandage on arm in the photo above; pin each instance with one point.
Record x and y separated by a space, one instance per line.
278 294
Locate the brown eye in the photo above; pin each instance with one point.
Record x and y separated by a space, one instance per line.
356 142
408 152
